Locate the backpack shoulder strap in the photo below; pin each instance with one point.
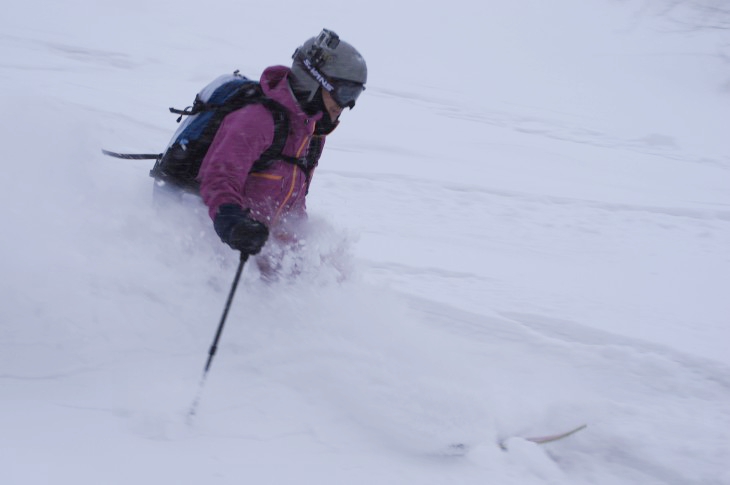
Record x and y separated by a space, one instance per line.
281 133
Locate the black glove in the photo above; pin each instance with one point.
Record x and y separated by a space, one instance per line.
239 230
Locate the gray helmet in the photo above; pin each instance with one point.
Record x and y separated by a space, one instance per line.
327 62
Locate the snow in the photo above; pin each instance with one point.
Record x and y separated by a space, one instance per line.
522 227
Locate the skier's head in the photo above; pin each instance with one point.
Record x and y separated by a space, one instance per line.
327 64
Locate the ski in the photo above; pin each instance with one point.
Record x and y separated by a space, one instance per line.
132 156
547 438
461 449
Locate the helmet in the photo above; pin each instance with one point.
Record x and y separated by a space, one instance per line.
326 62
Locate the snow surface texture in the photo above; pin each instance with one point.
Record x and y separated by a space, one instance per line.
524 226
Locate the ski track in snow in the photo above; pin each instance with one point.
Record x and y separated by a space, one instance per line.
571 129
476 195
485 222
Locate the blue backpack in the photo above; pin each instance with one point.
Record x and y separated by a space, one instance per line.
180 163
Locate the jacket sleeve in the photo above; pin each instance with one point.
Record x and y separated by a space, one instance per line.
241 139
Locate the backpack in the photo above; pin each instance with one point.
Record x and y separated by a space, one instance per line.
180 163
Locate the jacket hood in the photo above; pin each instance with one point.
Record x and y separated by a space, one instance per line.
275 85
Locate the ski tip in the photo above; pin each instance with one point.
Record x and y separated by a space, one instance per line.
557 436
111 154
132 156
539 440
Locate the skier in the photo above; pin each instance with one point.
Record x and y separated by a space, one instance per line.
248 207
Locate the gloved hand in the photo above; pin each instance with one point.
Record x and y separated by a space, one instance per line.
239 230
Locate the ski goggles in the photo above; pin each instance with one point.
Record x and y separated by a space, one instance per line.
345 93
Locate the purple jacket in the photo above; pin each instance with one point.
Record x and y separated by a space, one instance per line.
279 192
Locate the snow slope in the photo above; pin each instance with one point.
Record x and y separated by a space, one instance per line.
529 208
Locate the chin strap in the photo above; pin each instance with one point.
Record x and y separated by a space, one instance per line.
325 126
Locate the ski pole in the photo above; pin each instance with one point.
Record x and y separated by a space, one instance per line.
214 346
